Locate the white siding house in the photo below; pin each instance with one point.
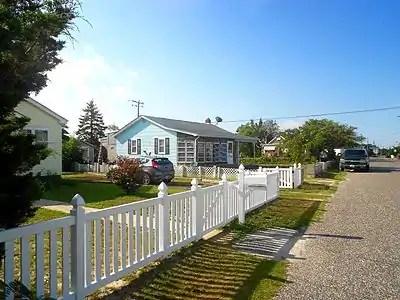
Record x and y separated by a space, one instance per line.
47 126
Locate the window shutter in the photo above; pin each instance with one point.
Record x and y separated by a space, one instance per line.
129 146
156 146
139 146
167 146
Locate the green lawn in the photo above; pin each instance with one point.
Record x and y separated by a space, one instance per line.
214 270
98 192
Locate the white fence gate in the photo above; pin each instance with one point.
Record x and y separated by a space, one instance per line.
88 250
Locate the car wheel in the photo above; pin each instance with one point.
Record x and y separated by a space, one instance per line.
342 169
146 178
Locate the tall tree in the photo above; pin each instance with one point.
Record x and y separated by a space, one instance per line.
91 125
29 47
64 133
112 127
316 136
264 131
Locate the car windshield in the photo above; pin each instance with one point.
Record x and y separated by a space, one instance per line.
354 153
162 161
143 160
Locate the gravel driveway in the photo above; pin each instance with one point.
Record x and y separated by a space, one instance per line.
354 252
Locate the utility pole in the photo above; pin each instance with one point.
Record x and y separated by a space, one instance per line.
138 104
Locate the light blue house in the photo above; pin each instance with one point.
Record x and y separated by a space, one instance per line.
182 142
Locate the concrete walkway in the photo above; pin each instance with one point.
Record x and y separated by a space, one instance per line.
59 206
354 252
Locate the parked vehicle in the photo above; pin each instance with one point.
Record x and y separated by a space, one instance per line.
354 159
157 169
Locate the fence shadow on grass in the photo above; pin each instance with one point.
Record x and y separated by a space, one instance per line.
207 270
214 269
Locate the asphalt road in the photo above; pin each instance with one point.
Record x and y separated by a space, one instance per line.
354 252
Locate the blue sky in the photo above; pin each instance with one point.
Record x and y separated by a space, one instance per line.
239 59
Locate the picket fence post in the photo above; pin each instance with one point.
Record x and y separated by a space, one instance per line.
242 198
215 174
224 183
279 179
300 173
197 210
164 215
78 251
278 183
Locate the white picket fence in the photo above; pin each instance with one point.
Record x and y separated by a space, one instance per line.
289 178
95 167
88 250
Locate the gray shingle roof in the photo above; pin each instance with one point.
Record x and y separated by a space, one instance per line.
196 129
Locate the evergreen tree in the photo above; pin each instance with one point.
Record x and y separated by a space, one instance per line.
65 134
91 125
29 47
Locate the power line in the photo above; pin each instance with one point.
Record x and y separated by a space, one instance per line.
320 115
138 104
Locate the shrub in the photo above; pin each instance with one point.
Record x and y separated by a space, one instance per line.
270 161
127 173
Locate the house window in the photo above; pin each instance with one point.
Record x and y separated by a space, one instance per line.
219 152
41 135
134 146
209 152
201 151
185 151
85 153
161 146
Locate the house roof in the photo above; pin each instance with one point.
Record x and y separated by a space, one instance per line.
190 128
47 110
87 144
275 140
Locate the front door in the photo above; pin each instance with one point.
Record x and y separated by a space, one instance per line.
230 153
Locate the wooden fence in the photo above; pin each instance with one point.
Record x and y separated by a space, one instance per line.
73 256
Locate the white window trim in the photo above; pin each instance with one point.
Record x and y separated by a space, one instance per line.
212 151
204 152
134 152
33 129
161 152
162 138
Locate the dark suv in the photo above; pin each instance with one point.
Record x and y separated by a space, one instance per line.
157 169
354 159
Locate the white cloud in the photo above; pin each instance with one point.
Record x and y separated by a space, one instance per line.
86 75
290 124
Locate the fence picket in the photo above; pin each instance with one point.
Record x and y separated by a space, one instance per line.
134 234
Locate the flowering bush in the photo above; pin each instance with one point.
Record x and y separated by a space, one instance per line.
127 173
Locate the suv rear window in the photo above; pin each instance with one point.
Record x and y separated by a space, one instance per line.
162 161
354 152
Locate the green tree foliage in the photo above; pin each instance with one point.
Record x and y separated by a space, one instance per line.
316 136
29 47
127 173
91 124
65 133
112 127
71 154
265 131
